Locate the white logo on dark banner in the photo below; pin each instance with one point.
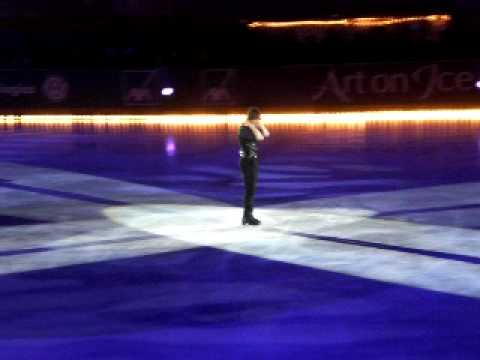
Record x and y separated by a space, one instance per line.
55 88
423 82
218 86
145 87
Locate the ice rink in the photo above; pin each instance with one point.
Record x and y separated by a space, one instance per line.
123 241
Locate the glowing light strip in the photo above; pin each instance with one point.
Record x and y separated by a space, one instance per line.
340 118
355 22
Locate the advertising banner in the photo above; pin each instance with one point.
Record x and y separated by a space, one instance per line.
295 87
147 87
364 84
36 89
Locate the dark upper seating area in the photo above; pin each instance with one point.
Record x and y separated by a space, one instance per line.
143 34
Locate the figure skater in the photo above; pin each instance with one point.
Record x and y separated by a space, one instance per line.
251 131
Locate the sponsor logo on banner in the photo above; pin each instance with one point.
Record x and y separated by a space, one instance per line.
219 86
422 83
139 96
144 87
55 88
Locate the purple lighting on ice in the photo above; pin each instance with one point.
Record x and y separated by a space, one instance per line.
170 146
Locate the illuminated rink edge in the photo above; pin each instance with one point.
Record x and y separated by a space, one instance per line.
321 118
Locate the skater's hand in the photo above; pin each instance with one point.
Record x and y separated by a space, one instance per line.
258 135
264 131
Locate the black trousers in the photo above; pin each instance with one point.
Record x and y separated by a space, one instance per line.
249 168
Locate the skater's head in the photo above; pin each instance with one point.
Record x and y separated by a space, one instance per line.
254 115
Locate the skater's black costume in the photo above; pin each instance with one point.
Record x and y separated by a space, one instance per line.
249 166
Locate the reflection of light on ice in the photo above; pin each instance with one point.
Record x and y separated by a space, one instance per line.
209 225
165 217
219 226
294 234
180 220
170 146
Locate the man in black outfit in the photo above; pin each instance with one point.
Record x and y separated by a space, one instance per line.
251 131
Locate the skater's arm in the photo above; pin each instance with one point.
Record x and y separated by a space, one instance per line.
263 129
258 135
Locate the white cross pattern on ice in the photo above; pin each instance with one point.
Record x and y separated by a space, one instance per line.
160 221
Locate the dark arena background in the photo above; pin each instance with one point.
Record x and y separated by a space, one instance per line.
121 194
